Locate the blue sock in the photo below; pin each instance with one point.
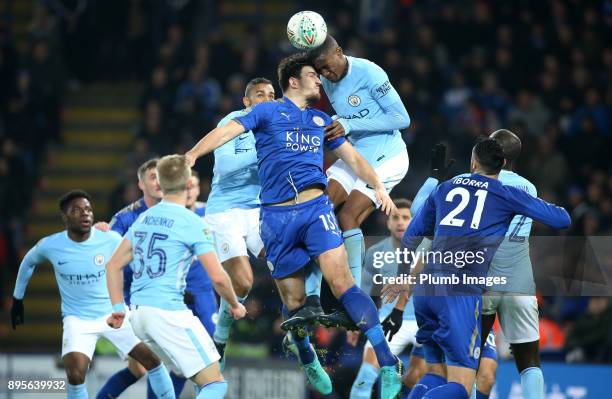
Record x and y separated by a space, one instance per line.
77 391
428 382
178 383
312 284
362 386
214 390
116 384
161 383
305 352
222 329
363 312
532 382
480 395
452 390
355 249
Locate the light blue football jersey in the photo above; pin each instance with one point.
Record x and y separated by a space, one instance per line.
235 182
363 93
388 270
164 240
512 259
80 271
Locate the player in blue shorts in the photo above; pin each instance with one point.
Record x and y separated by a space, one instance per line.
465 215
160 246
515 301
370 113
233 207
78 256
297 218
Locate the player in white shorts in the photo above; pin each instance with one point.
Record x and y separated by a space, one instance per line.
78 256
370 113
232 210
514 302
160 247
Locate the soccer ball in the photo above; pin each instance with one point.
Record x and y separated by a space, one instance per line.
306 30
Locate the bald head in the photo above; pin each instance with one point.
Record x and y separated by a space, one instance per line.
510 143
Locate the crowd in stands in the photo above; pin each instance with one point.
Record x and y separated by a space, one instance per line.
463 69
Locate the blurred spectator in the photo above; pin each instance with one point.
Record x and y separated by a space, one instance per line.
588 339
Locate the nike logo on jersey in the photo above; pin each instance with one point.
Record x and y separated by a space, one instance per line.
62 263
380 157
242 138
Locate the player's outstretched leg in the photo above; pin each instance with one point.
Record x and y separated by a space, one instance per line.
363 312
291 290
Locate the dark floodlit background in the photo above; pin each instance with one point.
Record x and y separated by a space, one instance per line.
91 89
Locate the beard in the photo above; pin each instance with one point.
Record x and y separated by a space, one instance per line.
313 98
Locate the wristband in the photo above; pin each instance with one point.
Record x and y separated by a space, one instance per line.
119 307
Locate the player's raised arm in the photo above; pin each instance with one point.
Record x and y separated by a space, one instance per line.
538 209
222 283
213 140
365 172
26 269
114 280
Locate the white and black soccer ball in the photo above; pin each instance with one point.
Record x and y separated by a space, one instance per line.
306 30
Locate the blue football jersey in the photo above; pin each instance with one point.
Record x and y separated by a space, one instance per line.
197 277
511 259
120 223
235 182
80 271
289 147
363 93
164 240
471 215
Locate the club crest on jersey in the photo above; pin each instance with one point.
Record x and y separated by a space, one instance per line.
318 120
354 100
99 260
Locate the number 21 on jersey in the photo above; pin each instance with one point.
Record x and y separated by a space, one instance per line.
452 220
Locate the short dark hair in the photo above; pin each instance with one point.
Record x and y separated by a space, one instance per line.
195 173
402 203
490 156
510 143
253 82
328 46
291 67
66 199
142 169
